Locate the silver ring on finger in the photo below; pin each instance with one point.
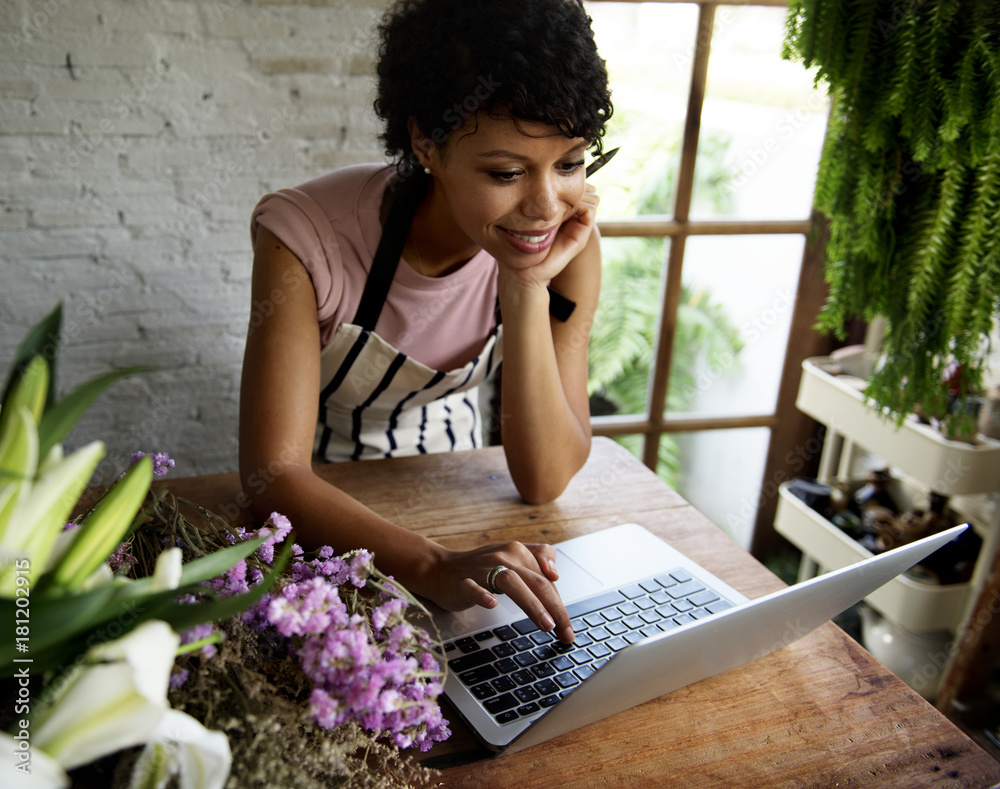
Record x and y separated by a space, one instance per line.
491 579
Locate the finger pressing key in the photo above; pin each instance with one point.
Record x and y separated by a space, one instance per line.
533 602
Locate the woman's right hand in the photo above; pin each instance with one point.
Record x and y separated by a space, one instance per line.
460 581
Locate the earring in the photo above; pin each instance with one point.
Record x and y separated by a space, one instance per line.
427 170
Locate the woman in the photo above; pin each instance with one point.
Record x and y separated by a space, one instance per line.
393 291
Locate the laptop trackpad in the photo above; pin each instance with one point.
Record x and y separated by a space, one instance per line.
574 582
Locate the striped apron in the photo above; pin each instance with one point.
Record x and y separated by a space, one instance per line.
378 402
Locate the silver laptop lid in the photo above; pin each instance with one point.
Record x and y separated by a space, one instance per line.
676 659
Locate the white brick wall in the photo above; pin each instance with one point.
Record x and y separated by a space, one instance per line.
135 138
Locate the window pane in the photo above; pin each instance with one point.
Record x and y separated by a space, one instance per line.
733 323
762 124
648 48
720 474
625 326
718 471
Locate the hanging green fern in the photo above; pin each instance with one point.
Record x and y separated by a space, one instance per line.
910 180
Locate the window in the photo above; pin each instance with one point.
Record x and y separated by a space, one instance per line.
704 218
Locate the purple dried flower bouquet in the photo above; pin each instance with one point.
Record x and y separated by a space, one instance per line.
345 624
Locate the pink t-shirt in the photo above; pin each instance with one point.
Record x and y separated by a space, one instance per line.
332 225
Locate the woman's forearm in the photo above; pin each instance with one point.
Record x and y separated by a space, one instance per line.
322 514
546 441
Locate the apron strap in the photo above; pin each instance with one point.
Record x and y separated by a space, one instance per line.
410 193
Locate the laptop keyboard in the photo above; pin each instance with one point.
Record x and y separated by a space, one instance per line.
517 671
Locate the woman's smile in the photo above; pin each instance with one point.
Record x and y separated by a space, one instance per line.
531 243
501 185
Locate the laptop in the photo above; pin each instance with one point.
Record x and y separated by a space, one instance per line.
648 620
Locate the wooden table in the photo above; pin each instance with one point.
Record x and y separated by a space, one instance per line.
819 713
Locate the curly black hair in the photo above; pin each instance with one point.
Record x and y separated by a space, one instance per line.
440 61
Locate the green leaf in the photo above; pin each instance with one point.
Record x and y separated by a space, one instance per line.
920 88
18 446
18 461
214 564
183 617
104 527
42 340
60 418
65 626
204 568
44 512
29 391
54 621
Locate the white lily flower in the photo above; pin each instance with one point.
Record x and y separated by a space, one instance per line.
182 746
118 703
28 767
167 573
102 575
152 769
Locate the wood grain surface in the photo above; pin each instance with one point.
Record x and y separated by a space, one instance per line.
821 712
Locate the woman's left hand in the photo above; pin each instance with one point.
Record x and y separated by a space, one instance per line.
462 578
570 241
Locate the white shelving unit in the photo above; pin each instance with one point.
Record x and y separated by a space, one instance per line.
969 474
